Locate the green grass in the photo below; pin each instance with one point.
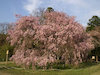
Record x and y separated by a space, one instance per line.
12 69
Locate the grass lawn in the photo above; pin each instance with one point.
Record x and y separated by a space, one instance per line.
12 69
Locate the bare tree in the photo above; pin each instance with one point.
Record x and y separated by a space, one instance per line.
4 27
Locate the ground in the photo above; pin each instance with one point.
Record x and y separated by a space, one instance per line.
12 69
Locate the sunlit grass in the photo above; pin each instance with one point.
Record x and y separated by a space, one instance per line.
12 69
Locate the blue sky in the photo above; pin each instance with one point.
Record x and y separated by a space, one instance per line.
82 9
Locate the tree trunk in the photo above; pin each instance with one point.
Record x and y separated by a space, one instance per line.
33 66
96 58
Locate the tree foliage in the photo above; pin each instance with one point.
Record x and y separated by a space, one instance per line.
4 45
94 21
3 50
59 38
96 40
49 9
94 30
4 27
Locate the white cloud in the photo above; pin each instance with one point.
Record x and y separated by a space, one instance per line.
82 9
32 5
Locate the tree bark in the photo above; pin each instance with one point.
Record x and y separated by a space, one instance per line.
96 58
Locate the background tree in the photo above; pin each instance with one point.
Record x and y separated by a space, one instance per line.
39 12
93 29
94 21
4 44
49 9
96 40
4 27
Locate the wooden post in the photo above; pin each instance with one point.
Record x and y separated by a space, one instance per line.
7 52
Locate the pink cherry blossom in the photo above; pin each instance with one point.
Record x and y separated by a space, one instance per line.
58 37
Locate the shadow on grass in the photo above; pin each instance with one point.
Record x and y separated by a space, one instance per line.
4 66
86 65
